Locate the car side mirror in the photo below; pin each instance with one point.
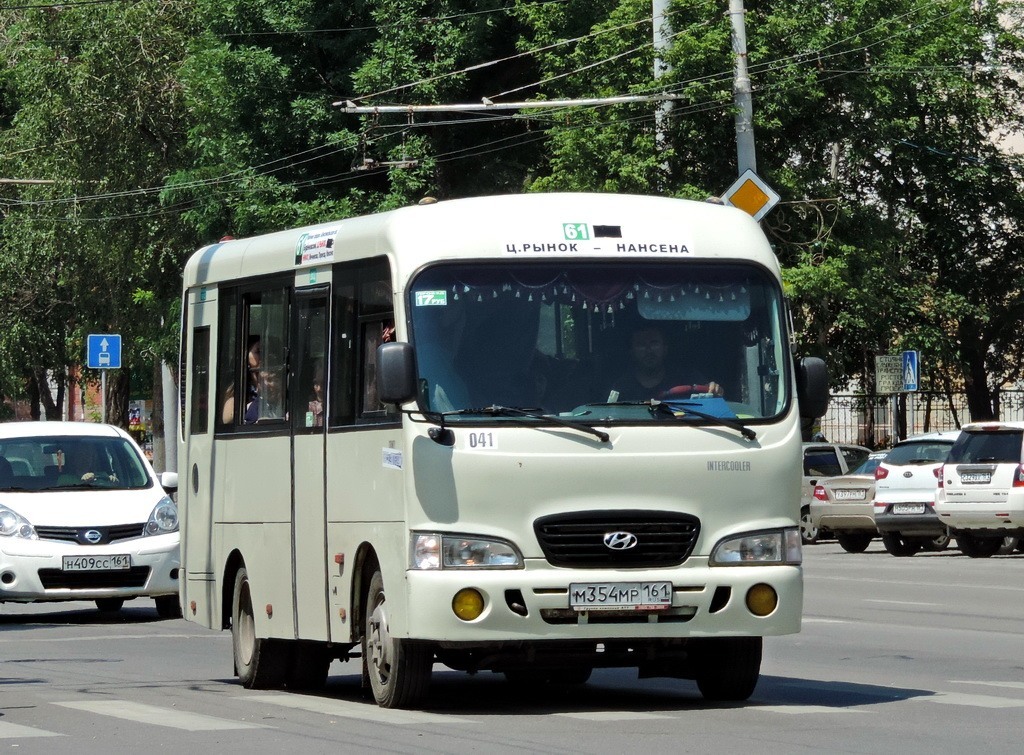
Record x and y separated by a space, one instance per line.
812 387
169 481
396 372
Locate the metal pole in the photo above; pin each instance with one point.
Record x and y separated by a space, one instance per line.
746 159
103 394
662 34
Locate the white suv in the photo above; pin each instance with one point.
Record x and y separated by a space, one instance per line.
905 486
981 487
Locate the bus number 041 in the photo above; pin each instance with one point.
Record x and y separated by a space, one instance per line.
482 440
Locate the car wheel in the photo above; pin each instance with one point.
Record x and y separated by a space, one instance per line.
936 544
900 546
109 605
260 663
398 669
978 547
1008 546
808 532
167 606
727 668
854 542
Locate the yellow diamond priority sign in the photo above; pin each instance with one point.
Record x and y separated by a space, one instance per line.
752 195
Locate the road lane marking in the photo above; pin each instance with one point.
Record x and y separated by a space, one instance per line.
362 711
17 731
612 715
900 602
151 714
809 620
1006 685
974 701
802 709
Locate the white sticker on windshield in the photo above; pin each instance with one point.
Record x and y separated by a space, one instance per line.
481 441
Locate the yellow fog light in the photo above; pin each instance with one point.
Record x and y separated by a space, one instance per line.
762 599
468 604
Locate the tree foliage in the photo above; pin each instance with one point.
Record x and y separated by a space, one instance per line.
162 125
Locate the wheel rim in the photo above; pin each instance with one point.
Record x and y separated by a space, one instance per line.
246 625
378 641
807 529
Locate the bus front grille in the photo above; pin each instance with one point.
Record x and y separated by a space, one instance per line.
614 539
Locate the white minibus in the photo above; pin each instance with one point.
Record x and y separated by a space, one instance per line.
533 435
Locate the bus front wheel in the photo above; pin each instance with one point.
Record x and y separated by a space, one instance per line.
398 669
260 663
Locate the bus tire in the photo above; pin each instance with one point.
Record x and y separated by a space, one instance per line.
398 669
260 663
727 668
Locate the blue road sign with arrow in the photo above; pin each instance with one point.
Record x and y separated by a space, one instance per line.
103 351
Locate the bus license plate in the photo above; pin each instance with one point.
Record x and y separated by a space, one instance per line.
908 508
97 563
630 596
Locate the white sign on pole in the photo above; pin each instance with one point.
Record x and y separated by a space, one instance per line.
888 373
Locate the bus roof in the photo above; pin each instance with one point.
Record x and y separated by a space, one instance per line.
532 226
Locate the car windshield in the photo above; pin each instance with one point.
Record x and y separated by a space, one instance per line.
40 464
919 452
598 342
1002 446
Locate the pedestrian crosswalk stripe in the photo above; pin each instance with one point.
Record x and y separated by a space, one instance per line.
347 709
976 701
150 714
16 731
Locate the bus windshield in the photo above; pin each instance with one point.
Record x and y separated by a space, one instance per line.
600 341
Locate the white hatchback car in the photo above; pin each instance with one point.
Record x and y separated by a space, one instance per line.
83 516
981 488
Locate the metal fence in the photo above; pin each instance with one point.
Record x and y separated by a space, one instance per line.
874 421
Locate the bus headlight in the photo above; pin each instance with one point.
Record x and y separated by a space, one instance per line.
758 548
435 550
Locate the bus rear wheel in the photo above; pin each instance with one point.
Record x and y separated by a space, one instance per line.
260 663
727 669
398 669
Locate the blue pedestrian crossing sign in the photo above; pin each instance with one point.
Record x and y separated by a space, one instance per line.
911 371
103 351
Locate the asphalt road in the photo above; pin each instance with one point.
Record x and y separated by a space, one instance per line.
915 655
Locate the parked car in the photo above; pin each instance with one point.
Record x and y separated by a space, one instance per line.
843 505
905 486
823 460
981 488
83 516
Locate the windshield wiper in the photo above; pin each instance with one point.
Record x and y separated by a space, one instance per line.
515 411
665 407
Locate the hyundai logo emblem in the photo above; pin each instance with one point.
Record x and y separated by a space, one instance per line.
93 536
620 541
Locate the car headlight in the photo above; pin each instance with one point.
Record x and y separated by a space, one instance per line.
758 548
13 524
164 518
435 550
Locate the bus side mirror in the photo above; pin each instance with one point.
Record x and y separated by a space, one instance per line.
812 387
396 372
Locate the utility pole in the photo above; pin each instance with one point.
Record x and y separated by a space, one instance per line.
746 158
662 33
